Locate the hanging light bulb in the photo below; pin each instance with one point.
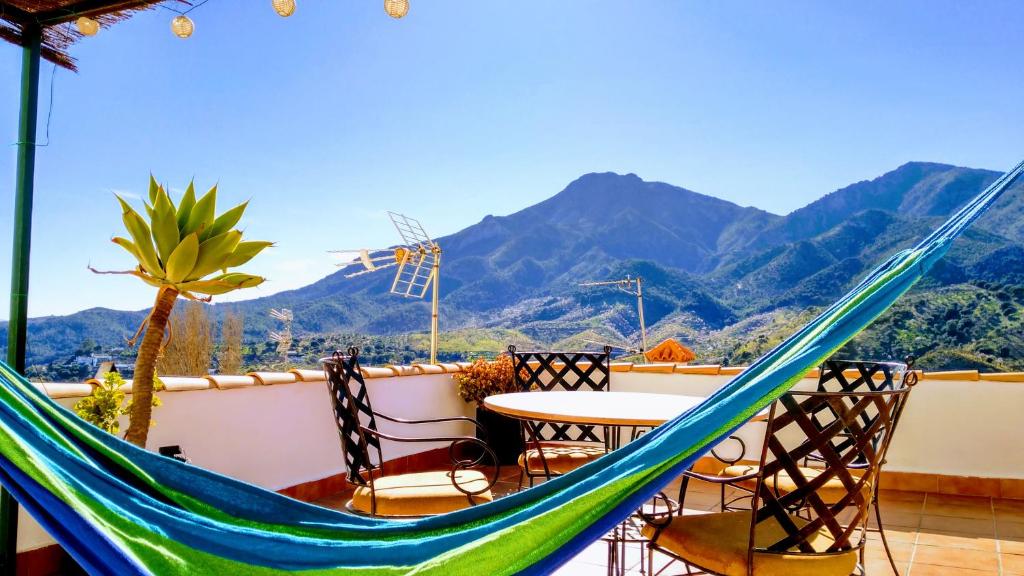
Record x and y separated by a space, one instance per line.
182 26
396 8
284 7
87 26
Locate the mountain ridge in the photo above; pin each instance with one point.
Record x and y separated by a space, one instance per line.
709 263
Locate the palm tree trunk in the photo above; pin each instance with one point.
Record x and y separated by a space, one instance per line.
145 367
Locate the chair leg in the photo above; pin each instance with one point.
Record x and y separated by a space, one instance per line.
522 474
881 533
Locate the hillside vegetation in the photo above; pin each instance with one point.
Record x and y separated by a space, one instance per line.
729 281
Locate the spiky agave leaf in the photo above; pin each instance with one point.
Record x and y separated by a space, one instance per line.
213 253
140 234
165 226
200 219
244 252
179 246
185 206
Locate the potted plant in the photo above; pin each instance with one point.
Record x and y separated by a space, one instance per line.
482 379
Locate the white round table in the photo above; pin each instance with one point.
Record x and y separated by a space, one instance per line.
595 408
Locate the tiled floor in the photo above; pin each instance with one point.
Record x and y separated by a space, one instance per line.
930 534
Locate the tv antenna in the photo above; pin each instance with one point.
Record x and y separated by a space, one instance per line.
418 262
633 287
284 337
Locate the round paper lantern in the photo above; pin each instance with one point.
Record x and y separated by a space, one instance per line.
182 26
87 26
284 7
396 8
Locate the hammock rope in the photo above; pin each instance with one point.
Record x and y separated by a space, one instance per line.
118 509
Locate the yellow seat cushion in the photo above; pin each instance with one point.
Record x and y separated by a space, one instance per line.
561 458
718 542
422 493
782 483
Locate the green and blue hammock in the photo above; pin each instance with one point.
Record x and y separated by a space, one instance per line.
118 509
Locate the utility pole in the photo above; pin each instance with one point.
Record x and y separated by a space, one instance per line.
633 287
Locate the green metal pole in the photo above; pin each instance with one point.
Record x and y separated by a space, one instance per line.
17 326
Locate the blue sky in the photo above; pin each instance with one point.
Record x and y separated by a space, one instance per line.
330 117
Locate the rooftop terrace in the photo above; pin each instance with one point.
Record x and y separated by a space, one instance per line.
953 496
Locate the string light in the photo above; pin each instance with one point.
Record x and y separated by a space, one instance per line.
182 26
396 8
87 26
284 8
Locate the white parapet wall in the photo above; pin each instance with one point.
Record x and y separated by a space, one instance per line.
278 430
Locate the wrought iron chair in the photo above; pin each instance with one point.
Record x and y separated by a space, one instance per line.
849 376
400 495
813 528
552 448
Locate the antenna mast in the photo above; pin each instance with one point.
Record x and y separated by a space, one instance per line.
633 287
418 261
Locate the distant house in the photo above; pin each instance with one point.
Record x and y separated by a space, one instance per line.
93 360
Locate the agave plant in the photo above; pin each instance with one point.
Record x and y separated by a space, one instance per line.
184 250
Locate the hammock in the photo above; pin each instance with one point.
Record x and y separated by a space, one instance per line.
118 509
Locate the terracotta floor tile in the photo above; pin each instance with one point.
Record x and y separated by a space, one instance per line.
900 551
901 519
956 540
894 534
933 570
1005 515
1011 545
955 558
966 525
901 506
958 500
977 510
1012 563
1008 505
1014 530
900 496
883 568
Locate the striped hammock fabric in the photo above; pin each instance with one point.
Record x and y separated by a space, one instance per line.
122 510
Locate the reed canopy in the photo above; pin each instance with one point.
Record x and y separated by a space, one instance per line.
22 20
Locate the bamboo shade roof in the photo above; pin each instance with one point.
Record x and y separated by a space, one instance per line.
56 19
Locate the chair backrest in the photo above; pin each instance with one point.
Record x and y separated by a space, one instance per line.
832 425
570 371
352 409
853 376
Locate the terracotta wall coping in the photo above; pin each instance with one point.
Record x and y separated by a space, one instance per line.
952 375
707 369
1003 376
306 375
271 378
378 372
227 381
657 368
401 370
429 368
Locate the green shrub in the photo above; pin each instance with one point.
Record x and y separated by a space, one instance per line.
106 403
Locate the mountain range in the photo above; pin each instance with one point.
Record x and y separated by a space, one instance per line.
725 278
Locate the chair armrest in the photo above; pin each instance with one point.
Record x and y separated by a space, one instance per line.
720 479
397 420
659 520
394 438
743 451
457 464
